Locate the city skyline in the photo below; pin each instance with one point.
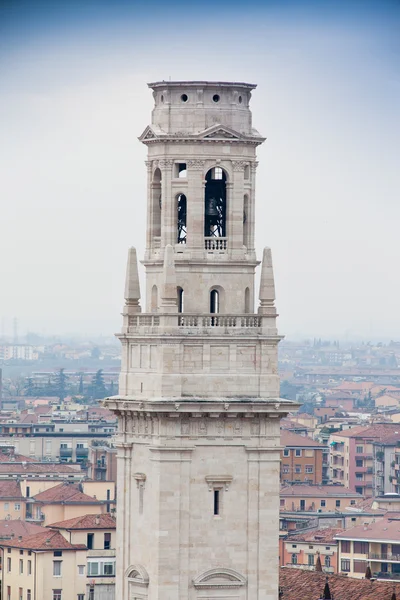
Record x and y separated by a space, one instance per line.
74 98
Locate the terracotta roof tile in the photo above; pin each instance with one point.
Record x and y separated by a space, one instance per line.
36 467
378 431
318 536
65 492
294 439
11 457
385 530
299 584
318 491
105 521
10 489
46 540
16 527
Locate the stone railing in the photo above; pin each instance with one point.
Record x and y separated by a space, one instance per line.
147 320
216 243
214 320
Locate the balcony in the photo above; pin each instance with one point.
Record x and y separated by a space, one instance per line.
216 244
387 576
217 320
82 452
35 519
384 557
65 452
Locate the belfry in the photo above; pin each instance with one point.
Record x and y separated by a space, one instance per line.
198 406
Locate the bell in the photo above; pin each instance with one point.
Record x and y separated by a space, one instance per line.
211 208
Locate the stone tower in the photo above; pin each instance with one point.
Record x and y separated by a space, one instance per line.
198 405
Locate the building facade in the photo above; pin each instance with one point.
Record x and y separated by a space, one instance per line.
199 407
303 460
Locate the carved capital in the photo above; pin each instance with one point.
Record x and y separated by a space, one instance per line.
239 165
148 164
166 164
140 479
253 166
196 165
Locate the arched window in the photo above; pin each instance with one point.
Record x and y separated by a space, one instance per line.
327 561
247 300
156 206
214 301
215 203
181 300
154 299
246 220
181 218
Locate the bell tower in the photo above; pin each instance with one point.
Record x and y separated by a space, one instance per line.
198 405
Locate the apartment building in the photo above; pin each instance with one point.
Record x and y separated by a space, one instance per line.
317 498
303 549
374 544
352 455
43 566
98 533
303 459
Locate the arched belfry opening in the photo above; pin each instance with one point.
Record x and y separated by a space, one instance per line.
181 203
156 206
215 203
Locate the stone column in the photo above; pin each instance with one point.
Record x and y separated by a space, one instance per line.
195 204
252 200
168 208
236 209
149 231
123 512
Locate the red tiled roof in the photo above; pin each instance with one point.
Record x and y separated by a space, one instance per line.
10 489
379 431
299 584
10 457
46 540
289 438
35 467
65 492
318 491
15 528
105 521
318 536
384 530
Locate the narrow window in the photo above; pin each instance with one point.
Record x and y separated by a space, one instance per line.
181 219
216 502
57 568
247 172
21 566
156 208
180 170
247 300
180 300
107 541
215 204
89 544
28 595
29 567
246 220
214 301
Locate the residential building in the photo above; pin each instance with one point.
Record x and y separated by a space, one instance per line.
61 502
317 498
352 455
102 464
198 406
12 501
303 459
97 533
43 566
301 550
375 544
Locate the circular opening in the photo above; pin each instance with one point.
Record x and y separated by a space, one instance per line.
184 98
216 98
240 99
162 98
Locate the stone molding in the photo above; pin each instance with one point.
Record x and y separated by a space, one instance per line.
166 164
219 578
196 165
137 575
218 481
140 479
239 165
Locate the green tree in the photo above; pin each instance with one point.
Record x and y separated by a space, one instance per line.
60 385
29 387
98 387
81 388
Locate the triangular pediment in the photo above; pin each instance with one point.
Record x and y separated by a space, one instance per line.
148 134
219 132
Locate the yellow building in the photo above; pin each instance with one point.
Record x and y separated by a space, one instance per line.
374 544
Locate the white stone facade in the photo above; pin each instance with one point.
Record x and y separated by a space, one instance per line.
199 406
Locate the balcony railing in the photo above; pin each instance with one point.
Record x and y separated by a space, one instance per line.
387 576
65 451
384 557
82 451
216 320
216 243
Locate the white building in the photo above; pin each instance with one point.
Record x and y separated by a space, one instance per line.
199 407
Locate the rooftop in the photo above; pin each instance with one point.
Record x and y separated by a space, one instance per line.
65 492
318 491
383 530
45 540
10 489
318 536
16 527
299 584
167 84
290 439
105 521
379 431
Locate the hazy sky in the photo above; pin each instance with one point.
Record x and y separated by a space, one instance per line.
73 99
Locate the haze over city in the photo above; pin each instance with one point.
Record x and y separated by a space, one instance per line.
73 100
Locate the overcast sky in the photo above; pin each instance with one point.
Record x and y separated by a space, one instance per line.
73 99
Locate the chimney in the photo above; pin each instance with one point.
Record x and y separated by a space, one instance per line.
97 520
20 538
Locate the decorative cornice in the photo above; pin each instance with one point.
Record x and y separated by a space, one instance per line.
166 164
218 481
239 165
